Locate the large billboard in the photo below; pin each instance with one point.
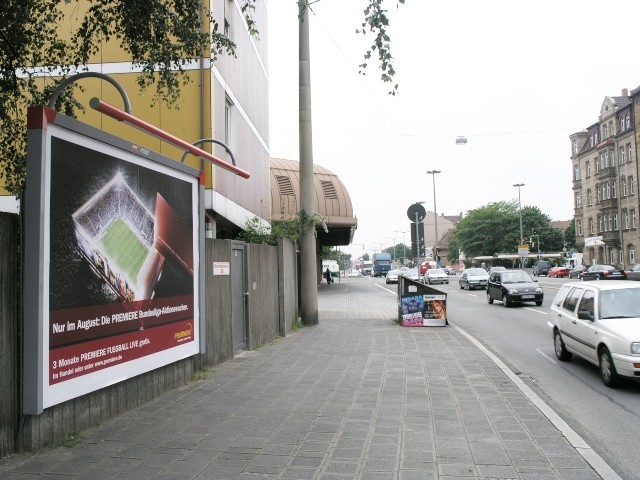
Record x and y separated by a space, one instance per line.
113 245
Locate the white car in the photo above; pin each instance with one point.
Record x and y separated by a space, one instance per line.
392 276
600 322
474 278
436 275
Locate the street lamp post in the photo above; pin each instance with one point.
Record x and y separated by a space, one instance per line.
404 245
393 254
520 211
435 212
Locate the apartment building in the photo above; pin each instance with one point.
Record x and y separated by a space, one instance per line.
605 175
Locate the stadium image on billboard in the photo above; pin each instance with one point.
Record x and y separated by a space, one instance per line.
119 294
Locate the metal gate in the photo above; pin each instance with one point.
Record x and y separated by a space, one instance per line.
239 293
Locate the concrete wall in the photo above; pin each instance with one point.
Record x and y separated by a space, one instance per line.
272 311
8 331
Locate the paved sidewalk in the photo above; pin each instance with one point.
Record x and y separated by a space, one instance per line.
356 397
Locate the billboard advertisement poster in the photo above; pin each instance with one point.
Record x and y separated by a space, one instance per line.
115 249
435 310
412 307
423 310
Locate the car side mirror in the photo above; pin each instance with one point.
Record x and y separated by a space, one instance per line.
585 315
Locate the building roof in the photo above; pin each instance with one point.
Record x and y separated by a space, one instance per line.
331 201
560 224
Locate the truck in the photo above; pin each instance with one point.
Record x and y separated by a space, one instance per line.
333 267
367 267
381 264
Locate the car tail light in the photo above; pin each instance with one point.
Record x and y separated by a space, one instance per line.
605 273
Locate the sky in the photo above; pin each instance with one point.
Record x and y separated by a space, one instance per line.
514 78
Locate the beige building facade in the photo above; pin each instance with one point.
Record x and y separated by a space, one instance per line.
605 175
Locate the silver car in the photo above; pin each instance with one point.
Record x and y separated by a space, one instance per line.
392 276
474 278
436 275
600 322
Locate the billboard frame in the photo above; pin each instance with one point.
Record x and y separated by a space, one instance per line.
45 128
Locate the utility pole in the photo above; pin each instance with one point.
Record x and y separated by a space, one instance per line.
308 267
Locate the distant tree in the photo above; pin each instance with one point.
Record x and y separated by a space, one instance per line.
570 234
365 257
453 251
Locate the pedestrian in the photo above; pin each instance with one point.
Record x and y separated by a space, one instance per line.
327 275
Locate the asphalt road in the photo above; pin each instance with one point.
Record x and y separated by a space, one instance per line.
607 419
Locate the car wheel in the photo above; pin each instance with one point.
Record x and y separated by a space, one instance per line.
561 351
607 369
597 277
461 286
505 301
539 303
489 299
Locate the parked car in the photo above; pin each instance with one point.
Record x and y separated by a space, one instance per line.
634 273
559 272
513 286
473 278
392 276
412 273
604 272
541 267
436 275
600 322
577 271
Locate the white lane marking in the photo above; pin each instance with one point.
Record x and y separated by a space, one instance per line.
386 289
541 312
546 356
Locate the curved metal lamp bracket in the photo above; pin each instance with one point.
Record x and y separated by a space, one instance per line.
68 81
210 140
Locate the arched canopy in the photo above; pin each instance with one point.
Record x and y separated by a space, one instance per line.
331 201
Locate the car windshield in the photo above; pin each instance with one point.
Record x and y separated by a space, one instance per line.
623 303
476 271
516 277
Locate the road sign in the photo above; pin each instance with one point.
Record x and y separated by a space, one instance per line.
418 209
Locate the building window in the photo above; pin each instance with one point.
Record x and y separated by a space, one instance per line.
631 185
606 131
591 226
633 218
575 146
599 193
591 140
632 256
589 197
608 191
626 219
228 19
228 107
628 118
615 221
579 227
588 169
621 257
610 222
576 172
621 123
613 189
612 256
621 154
595 137
624 186
578 200
629 152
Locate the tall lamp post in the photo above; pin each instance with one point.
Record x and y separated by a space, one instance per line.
435 212
404 245
393 255
520 211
